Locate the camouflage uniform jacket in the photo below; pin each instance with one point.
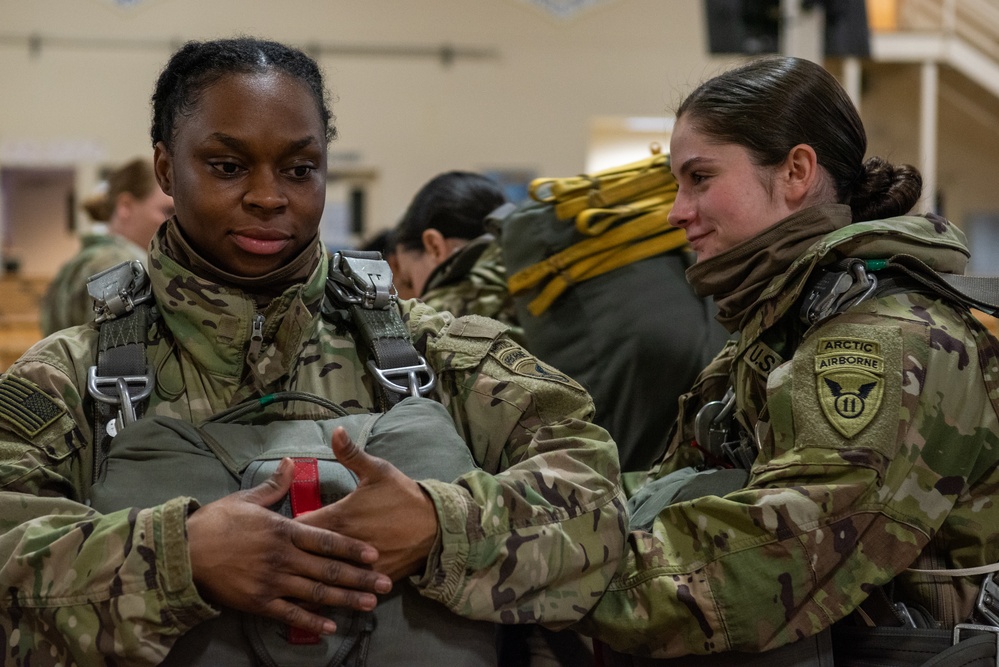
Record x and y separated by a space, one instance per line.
66 302
473 282
534 535
878 439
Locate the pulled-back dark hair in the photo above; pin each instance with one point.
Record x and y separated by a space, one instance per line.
454 203
772 104
197 65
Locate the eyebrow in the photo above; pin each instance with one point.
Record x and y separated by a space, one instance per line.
240 145
691 164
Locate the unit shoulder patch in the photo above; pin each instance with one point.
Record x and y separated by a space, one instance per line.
850 382
518 361
26 407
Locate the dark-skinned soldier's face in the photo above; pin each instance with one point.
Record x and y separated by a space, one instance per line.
247 171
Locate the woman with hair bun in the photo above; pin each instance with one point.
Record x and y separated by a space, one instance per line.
834 469
133 207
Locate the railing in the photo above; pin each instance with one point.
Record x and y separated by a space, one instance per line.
974 21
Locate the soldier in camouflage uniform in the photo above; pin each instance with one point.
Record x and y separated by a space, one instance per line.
444 254
240 132
873 423
133 206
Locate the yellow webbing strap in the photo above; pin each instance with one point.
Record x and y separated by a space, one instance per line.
624 211
607 260
595 221
632 231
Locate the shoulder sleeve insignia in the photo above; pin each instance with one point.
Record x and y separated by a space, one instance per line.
26 407
518 361
849 379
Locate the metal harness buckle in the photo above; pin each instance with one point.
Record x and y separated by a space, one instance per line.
964 631
362 281
716 431
412 373
837 291
987 604
123 394
119 290
366 282
986 608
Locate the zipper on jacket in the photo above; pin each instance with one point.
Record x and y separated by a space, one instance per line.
256 335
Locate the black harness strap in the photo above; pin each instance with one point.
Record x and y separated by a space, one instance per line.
979 292
360 285
121 380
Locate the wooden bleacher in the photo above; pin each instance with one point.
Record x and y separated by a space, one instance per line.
19 299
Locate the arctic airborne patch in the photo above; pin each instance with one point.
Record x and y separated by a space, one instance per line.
848 378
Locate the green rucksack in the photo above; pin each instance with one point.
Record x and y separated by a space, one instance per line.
597 276
159 458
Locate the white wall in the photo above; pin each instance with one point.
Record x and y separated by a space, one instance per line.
407 119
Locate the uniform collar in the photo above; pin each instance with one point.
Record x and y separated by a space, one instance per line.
737 277
213 322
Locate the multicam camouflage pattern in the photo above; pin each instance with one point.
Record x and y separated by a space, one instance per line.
828 515
534 535
473 282
66 302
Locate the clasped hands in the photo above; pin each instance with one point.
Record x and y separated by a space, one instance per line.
249 558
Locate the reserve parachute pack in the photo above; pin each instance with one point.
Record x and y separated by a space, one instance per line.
597 277
158 458
143 462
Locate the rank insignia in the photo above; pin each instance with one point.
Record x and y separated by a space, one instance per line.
850 383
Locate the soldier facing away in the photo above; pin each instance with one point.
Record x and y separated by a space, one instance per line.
860 405
445 254
133 206
531 533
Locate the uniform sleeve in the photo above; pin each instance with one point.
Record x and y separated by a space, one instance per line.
75 583
536 534
851 482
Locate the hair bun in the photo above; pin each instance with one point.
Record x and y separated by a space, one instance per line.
885 190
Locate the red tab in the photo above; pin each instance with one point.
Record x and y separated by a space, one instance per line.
305 487
304 498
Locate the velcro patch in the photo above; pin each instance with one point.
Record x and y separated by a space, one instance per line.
514 358
26 406
850 383
762 358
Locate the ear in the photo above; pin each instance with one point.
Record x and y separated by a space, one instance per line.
163 167
124 205
435 244
801 175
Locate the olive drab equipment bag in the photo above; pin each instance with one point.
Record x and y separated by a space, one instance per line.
597 277
159 458
142 462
